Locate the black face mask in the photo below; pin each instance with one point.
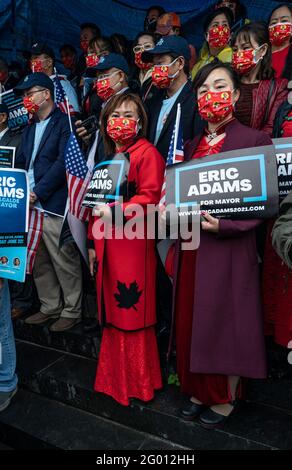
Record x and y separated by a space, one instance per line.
150 25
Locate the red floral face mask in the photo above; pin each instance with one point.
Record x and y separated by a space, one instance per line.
122 130
104 89
215 106
36 65
244 61
279 33
218 36
161 77
84 45
30 105
92 60
139 62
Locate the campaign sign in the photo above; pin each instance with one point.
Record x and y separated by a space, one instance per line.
238 184
14 207
284 161
18 115
7 156
109 181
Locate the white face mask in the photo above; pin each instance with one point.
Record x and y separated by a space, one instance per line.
177 72
254 54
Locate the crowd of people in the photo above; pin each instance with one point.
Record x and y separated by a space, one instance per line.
218 302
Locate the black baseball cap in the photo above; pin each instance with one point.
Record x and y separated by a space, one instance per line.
4 108
168 45
107 62
42 48
35 79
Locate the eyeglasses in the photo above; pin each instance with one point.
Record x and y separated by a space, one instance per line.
145 47
31 93
104 76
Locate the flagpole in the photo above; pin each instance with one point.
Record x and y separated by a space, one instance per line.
178 113
66 99
68 113
47 212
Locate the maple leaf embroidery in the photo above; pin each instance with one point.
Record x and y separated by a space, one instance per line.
128 297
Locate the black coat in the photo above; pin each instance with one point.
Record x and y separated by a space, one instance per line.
280 117
287 72
192 124
11 139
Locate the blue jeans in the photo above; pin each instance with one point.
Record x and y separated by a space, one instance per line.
8 377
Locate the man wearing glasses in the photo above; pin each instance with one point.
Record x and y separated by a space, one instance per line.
57 271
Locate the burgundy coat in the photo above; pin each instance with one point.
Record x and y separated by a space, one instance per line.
227 336
126 269
260 97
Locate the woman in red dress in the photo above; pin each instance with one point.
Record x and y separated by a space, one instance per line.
128 362
280 32
218 321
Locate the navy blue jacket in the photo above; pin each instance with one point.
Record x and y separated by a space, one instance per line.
192 124
49 164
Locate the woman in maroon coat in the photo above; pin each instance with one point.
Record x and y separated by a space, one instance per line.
128 363
218 318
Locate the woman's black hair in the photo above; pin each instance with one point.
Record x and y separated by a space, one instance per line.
287 5
94 28
69 47
120 44
240 10
160 10
205 71
220 11
104 42
259 31
154 36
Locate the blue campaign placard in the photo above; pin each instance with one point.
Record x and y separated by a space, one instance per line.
109 181
18 115
14 207
13 263
7 156
283 147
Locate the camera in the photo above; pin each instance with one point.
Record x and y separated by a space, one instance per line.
91 124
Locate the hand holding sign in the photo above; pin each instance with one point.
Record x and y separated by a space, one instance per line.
102 210
210 224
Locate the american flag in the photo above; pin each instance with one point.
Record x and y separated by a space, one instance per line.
175 151
35 230
78 178
60 97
